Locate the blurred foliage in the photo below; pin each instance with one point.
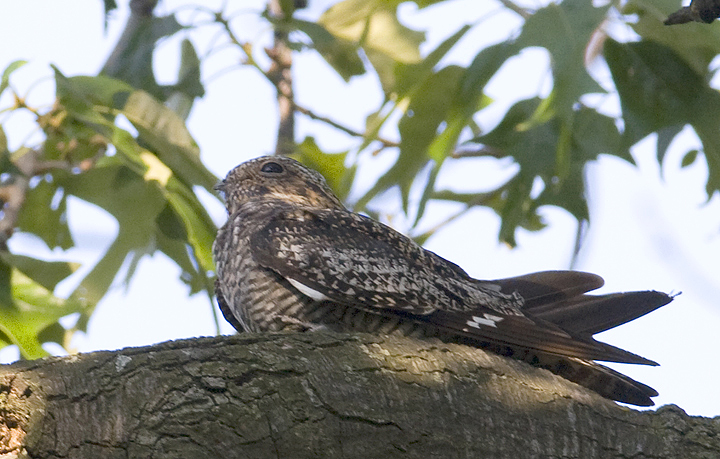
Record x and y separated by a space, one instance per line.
146 177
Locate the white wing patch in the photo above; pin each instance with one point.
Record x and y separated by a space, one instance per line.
307 291
487 319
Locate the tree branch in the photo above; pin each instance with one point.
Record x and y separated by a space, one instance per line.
322 395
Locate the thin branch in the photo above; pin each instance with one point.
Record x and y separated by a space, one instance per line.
480 151
285 91
309 113
518 9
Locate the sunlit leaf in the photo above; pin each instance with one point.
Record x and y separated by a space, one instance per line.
46 273
196 222
5 81
373 25
330 165
168 137
31 309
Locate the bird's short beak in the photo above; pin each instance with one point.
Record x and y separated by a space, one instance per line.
220 186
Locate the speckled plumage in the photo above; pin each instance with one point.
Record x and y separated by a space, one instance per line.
291 257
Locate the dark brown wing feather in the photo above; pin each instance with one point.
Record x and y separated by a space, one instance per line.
557 296
353 260
601 379
590 314
225 309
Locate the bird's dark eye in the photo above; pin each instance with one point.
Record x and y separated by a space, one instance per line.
272 167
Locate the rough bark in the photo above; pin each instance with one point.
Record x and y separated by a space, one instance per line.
322 395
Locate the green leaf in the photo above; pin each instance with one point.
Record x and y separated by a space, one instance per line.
341 54
46 273
657 88
467 99
31 309
82 93
373 25
4 152
182 95
109 6
168 138
689 158
199 229
594 134
409 80
555 151
533 148
118 190
44 214
132 59
665 136
330 165
410 77
418 128
5 81
564 30
516 208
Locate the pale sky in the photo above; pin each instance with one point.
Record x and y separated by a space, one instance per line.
651 228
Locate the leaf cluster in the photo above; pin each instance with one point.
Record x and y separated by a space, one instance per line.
111 143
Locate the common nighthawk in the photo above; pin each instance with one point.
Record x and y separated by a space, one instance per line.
292 257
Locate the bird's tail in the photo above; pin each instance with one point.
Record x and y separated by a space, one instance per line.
601 379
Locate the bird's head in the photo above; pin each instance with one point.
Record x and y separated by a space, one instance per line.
276 178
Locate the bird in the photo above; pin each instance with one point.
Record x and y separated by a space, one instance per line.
292 257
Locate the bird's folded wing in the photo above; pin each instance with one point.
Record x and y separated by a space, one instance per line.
349 258
346 258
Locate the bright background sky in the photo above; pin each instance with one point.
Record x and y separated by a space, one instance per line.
652 228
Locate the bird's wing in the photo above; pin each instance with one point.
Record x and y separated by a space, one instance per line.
558 297
346 258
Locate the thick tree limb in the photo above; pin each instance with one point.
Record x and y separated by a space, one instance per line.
322 395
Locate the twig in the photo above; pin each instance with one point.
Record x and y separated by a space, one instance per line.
519 10
470 152
309 113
